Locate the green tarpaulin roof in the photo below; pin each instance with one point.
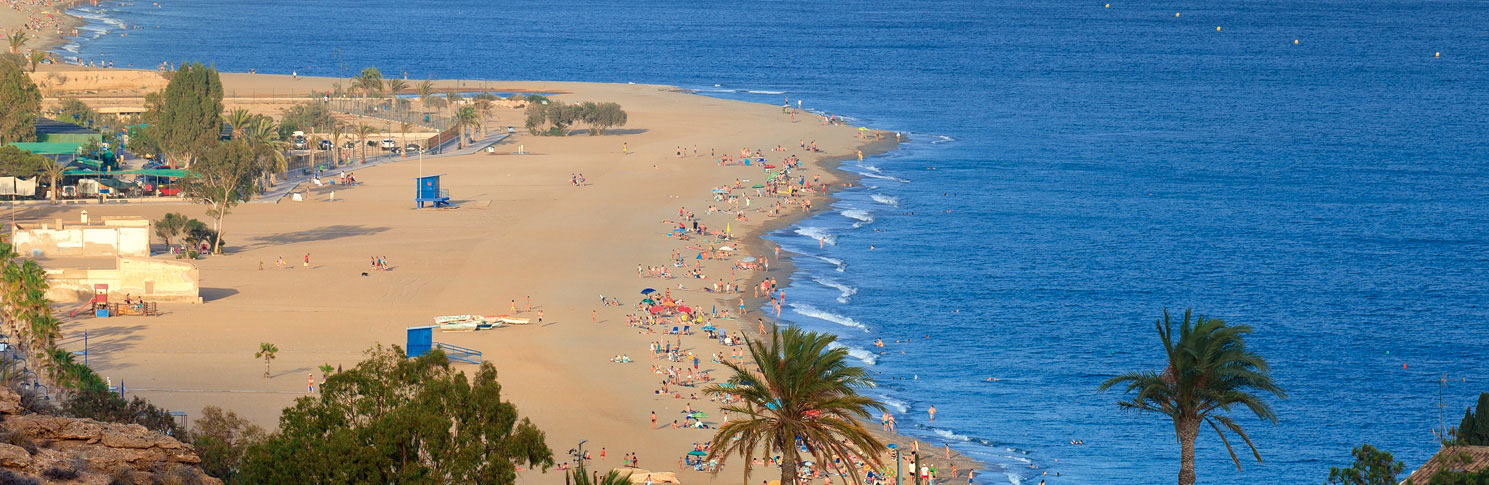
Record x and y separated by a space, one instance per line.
49 148
174 172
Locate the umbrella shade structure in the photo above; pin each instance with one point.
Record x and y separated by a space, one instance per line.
720 191
757 186
709 328
891 446
698 453
749 259
649 301
699 414
648 291
685 309
726 248
658 309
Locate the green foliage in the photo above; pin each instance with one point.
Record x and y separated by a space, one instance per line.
1474 429
392 419
369 81
555 118
104 405
267 351
221 180
307 117
222 440
15 162
1208 371
1371 467
806 389
76 112
581 476
1451 477
185 120
170 226
21 101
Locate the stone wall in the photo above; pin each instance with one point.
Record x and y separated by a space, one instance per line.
157 280
113 237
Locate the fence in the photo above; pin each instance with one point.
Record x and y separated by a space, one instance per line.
393 110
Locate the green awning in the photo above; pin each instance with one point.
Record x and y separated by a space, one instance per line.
49 148
171 172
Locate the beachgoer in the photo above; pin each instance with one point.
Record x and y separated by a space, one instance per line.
307 260
933 413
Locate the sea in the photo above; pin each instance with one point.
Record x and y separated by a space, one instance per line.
1315 169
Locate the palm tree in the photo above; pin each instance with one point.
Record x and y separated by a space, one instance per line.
452 100
17 39
403 129
483 106
267 351
465 118
338 131
394 86
370 81
363 132
239 119
804 390
36 57
425 89
268 148
581 476
54 173
1208 372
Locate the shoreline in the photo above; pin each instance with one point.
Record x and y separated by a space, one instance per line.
752 239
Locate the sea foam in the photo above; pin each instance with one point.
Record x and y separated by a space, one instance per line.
817 233
837 263
886 199
814 312
844 291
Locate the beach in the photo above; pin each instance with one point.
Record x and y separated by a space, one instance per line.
524 234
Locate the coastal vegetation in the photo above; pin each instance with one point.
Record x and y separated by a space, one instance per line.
22 102
267 351
553 118
800 394
1474 429
185 120
392 419
222 439
15 162
1371 467
1207 372
221 180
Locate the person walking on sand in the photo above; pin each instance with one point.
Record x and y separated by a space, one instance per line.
307 260
625 148
529 303
653 420
540 316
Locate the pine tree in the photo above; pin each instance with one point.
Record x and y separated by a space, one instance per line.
20 102
186 118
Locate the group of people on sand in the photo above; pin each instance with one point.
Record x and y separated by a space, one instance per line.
379 263
577 180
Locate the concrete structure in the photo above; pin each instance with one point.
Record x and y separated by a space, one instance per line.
160 280
114 251
124 237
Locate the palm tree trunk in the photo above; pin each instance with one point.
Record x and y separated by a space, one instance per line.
1187 429
788 464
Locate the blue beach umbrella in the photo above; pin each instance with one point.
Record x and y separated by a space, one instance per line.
648 291
709 328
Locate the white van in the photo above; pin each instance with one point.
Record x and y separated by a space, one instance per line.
389 144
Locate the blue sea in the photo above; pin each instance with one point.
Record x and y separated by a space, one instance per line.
1315 169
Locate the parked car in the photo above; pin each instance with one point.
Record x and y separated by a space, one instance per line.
389 144
349 144
299 141
325 144
411 148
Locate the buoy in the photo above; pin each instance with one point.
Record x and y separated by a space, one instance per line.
1438 54
1295 41
1176 14
1108 5
1217 28
1403 366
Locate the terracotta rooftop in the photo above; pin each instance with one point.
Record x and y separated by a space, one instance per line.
1455 458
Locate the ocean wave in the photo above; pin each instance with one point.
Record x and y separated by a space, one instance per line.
884 177
895 404
814 312
857 353
838 263
886 199
844 291
817 233
941 139
860 215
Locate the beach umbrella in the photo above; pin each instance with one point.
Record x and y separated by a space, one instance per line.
891 446
649 301
699 415
685 309
698 452
709 328
748 259
658 309
648 291
726 248
758 186
720 191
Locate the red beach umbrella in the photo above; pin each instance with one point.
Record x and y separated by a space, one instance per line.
685 309
658 309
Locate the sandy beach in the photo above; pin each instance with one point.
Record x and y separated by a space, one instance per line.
523 232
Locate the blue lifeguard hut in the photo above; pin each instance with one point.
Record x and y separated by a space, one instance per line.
429 192
421 341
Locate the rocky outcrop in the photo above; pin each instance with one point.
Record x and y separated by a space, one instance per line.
57 449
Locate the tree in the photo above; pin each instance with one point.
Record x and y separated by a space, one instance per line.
22 102
1474 429
36 57
805 390
369 81
403 129
602 116
393 419
1371 467
268 147
1208 372
239 119
104 405
363 132
267 351
464 119
425 90
483 107
222 440
15 162
304 117
170 226
338 131
54 172
580 476
186 119
221 180
394 86
17 40
452 100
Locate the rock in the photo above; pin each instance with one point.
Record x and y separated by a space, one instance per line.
12 456
10 402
